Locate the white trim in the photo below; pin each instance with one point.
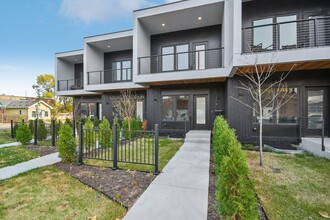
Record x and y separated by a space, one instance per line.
40 102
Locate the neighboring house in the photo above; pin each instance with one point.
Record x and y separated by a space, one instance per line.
182 58
25 109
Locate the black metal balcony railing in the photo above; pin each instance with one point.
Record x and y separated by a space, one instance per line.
305 33
109 76
71 84
191 60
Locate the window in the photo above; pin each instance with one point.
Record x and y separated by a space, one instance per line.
175 108
200 57
263 36
175 57
288 32
20 112
88 110
139 109
34 114
46 114
122 70
287 113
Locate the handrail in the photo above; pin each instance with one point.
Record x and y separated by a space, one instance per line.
69 84
125 76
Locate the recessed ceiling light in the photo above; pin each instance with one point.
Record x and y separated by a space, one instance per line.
200 18
75 59
163 24
108 46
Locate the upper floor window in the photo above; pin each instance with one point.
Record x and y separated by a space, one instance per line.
34 114
275 33
175 57
122 70
46 114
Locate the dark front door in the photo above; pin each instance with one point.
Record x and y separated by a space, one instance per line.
317 112
200 116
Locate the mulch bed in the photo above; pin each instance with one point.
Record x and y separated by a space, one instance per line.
43 150
123 186
212 207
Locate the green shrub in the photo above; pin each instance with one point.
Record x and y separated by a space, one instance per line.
15 128
96 122
88 133
105 134
136 126
68 122
235 194
117 124
31 126
23 134
42 131
66 144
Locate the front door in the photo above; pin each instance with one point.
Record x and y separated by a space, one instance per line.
316 112
200 112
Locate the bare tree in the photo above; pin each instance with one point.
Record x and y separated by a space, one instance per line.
268 92
125 105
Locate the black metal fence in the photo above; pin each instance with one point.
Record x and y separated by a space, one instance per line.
183 61
136 147
314 32
41 131
313 127
109 76
71 84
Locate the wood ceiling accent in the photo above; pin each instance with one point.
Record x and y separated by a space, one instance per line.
282 67
187 81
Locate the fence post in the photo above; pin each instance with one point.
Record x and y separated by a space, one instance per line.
81 143
12 129
53 132
74 127
156 149
323 147
35 131
115 148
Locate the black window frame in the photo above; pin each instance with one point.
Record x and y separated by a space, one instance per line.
174 108
175 60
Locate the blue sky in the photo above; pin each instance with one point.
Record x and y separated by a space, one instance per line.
32 31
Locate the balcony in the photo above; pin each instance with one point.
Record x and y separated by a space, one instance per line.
71 84
183 61
288 35
109 76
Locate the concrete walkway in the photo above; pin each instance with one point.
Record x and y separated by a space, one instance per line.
181 191
14 170
13 144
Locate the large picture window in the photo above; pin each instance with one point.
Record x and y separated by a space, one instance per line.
121 70
287 113
88 109
175 108
175 57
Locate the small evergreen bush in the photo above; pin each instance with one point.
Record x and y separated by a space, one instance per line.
88 133
235 194
96 122
23 134
31 126
117 124
42 131
66 144
105 134
68 122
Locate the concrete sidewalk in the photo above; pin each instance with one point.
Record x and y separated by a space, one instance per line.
14 170
181 191
13 144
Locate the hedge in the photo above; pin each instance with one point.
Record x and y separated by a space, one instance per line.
235 194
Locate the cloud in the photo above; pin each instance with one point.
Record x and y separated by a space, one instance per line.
89 11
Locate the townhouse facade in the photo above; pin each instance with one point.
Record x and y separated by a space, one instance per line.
182 58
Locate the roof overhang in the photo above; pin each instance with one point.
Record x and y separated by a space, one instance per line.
75 56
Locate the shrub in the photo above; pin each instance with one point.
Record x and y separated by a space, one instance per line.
136 125
96 122
31 126
23 134
116 123
68 122
105 133
235 194
66 144
15 128
42 131
88 134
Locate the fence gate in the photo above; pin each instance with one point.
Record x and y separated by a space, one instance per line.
136 147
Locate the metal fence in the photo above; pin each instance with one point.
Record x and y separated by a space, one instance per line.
41 131
287 35
109 76
136 147
71 84
312 127
183 61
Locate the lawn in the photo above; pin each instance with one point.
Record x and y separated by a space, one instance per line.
49 193
13 155
5 137
167 149
291 187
